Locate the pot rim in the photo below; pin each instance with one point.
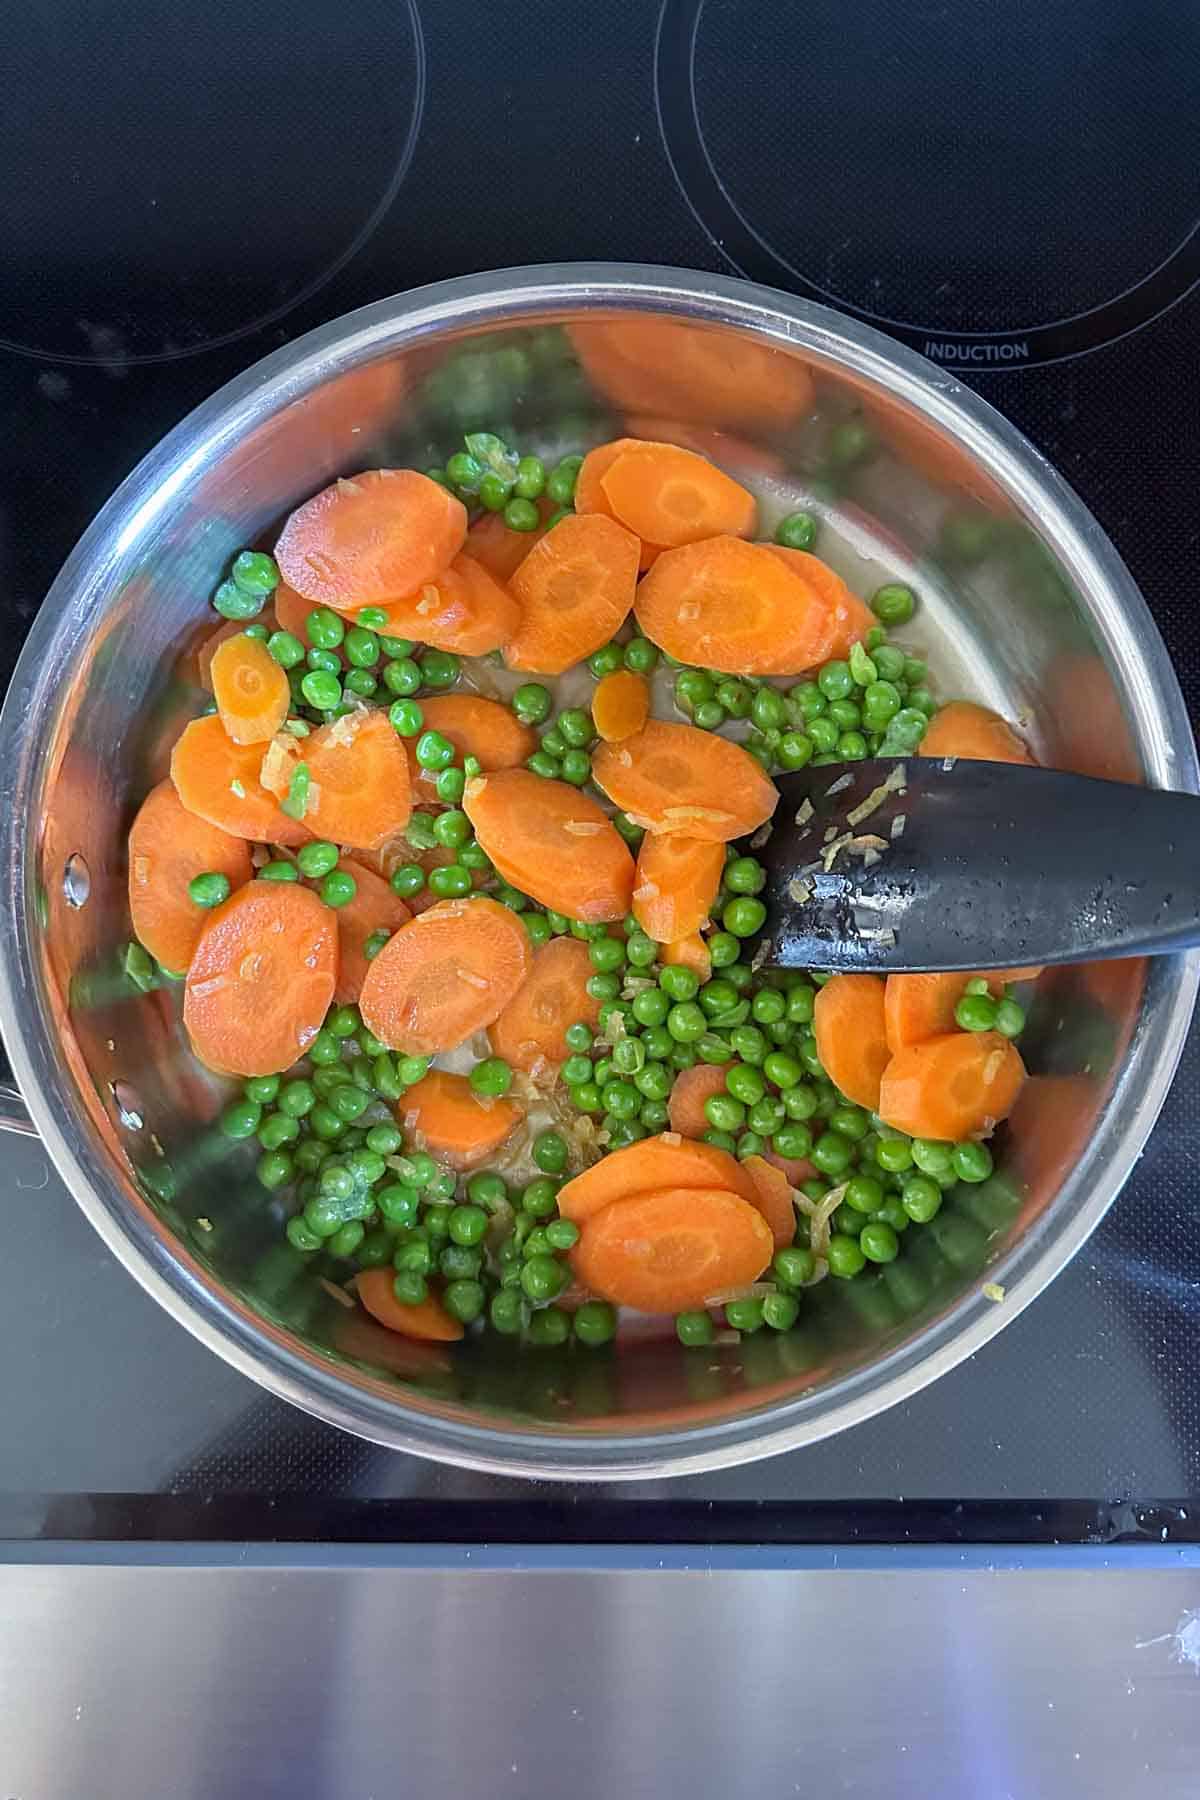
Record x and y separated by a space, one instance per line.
162 1264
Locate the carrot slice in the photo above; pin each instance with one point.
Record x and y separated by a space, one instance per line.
500 549
952 1087
553 843
358 792
575 589
445 974
463 609
850 618
688 953
685 371
208 649
721 447
918 1007
476 727
974 732
668 1251
797 1169
732 605
666 1161
689 1090
428 1320
261 979
250 689
620 705
167 846
677 882
447 1117
374 908
774 1199
530 1031
590 496
219 780
292 611
671 496
676 778
848 1021
360 542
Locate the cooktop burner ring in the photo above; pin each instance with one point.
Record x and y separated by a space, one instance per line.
750 252
107 346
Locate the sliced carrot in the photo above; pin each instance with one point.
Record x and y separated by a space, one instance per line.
732 605
677 881
797 1169
974 732
721 447
918 1007
676 778
484 729
688 953
463 608
292 611
374 908
686 371
261 979
553 843
620 705
574 589
671 496
952 1087
219 780
774 1200
668 1251
499 548
250 689
850 617
445 1115
358 781
363 541
529 1033
445 974
848 1021
667 1161
167 846
590 496
689 1090
209 647
428 1320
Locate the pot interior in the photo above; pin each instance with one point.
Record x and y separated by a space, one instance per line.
899 497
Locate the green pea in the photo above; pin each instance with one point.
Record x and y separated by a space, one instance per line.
894 1155
835 681
297 1098
801 1000
434 752
324 1123
622 1100
921 1198
522 515
745 875
793 1140
881 703
450 883
629 1055
972 1162
767 709
233 602
322 690
286 649
745 1084
274 1168
542 1278
407 880
209 889
795 1265
464 472
743 916
439 668
798 531
878 1242
549 1152
577 1069
794 750
845 1256
633 834
402 677
679 983
808 700
606 954
724 949
653 1082
651 1007
641 656
579 1036
709 715
324 628
300 1237
325 1048
255 572
452 828
781 1069
507 1312
262 1088
823 734
976 1012
734 698
241 1119
780 1311
852 1121
893 603
532 703
576 727
864 1193
658 1041
530 482
338 888
686 1023
640 950
766 1116
1010 1019
361 682
724 1113
749 1043
553 743
595 1322
493 492
492 1077
562 1234
606 661
694 1329
398 1202
560 483
744 1315
467 1224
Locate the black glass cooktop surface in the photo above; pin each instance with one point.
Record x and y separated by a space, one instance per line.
1013 192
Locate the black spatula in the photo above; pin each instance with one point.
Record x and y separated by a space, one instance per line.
926 863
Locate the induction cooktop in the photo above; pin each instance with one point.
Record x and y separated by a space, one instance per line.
1014 192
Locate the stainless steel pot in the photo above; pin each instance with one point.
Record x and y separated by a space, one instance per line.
1026 604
